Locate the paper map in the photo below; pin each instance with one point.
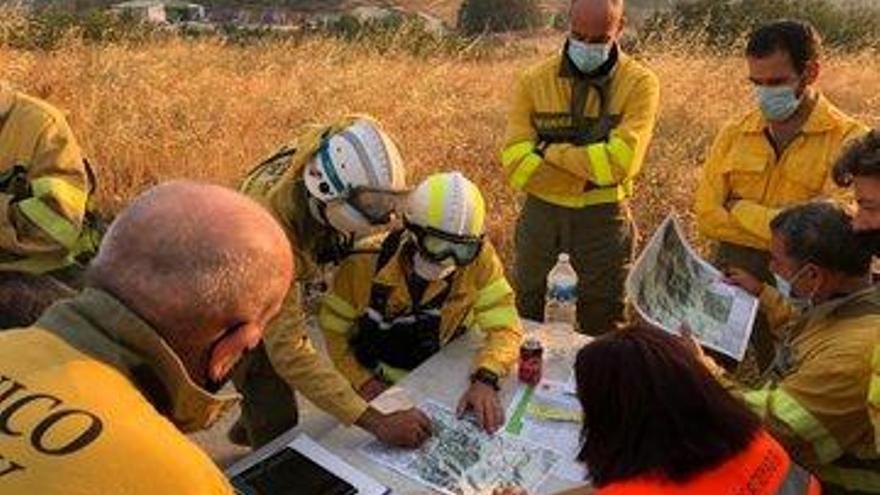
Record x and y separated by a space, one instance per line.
461 459
670 285
550 414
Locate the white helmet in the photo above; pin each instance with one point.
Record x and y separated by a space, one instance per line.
357 175
448 203
446 213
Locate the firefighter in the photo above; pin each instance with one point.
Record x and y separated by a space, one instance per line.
44 191
577 133
779 154
98 395
821 394
332 186
429 283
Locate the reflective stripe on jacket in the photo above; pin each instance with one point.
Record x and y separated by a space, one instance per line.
744 184
480 296
763 468
595 170
277 184
824 401
43 186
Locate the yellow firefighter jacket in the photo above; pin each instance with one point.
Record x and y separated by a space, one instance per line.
43 186
823 402
479 296
92 401
277 183
745 184
579 155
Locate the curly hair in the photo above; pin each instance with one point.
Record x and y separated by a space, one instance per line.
862 158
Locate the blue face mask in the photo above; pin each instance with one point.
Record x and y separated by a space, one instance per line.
785 290
778 103
588 56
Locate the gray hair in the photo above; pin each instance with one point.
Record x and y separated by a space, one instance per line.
822 233
186 255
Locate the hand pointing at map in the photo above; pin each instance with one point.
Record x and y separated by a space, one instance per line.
482 399
409 428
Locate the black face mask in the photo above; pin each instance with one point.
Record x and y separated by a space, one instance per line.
871 240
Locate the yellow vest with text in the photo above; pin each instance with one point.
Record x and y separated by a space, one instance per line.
74 424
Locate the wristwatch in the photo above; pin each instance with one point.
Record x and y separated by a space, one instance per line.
486 377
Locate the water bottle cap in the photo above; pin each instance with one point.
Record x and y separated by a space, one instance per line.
563 258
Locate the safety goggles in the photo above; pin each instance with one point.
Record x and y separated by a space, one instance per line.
439 246
376 205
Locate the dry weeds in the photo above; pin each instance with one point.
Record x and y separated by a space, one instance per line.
204 110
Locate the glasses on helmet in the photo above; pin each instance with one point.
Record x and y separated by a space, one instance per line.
375 204
439 246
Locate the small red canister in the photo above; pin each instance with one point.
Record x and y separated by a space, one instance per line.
531 361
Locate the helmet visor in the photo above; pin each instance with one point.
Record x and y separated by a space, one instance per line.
376 205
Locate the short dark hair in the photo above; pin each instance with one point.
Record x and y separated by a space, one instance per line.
651 408
822 233
799 39
861 158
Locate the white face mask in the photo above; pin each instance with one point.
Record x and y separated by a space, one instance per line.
785 290
588 56
430 271
778 103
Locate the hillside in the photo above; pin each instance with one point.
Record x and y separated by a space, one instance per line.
200 109
445 10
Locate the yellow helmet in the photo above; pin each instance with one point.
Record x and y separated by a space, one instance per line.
449 203
446 212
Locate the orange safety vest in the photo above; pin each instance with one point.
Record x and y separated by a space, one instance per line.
763 468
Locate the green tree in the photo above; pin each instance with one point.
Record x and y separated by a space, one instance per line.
479 16
724 23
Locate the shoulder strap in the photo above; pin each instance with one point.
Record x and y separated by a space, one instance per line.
389 246
379 293
91 177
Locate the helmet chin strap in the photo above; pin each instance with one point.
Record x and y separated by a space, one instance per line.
318 209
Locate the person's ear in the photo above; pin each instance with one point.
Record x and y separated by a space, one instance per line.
814 278
811 73
232 345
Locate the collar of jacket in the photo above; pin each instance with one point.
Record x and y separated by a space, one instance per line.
99 325
824 117
7 98
568 70
859 303
393 274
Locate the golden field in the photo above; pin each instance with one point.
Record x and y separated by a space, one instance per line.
205 110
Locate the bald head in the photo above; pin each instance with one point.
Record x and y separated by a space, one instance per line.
195 261
596 21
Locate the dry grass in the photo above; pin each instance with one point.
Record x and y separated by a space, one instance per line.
204 110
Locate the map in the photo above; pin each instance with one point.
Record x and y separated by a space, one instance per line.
551 415
461 459
670 286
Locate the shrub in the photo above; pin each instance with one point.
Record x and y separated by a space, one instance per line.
480 16
48 29
724 24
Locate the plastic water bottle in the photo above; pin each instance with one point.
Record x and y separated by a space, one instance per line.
560 308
